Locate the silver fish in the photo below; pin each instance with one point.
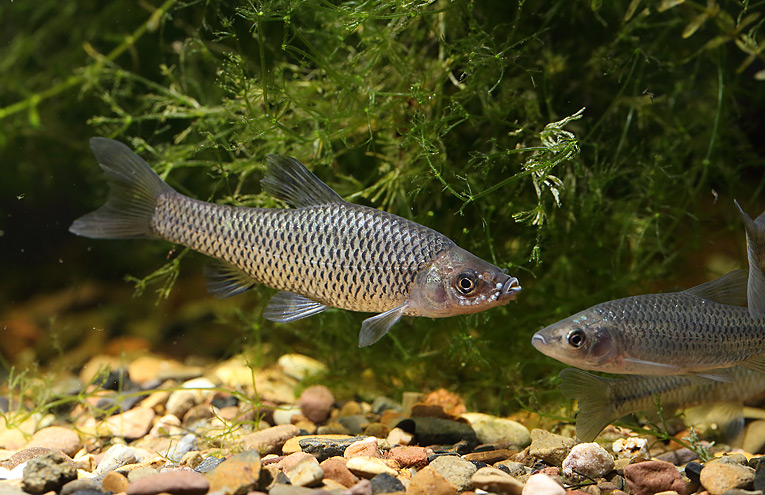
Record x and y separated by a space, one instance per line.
324 253
603 400
697 331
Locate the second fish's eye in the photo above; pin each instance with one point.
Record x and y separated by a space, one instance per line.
576 338
466 282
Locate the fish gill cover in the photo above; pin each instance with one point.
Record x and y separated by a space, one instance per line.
591 149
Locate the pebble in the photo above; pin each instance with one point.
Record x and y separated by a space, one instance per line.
542 484
131 424
237 475
208 464
759 475
180 402
355 424
718 477
550 447
285 415
335 469
651 477
114 482
455 469
587 460
496 481
367 447
307 472
300 367
82 485
679 457
438 431
316 403
321 446
427 481
386 483
754 436
369 467
117 456
270 440
414 456
48 472
168 425
493 430
176 451
631 448
57 438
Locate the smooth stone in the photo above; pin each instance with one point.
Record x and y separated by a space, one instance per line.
427 481
142 472
131 424
316 403
490 456
114 482
542 484
455 469
82 485
718 477
285 415
754 436
651 477
237 475
307 472
493 430
382 404
57 438
335 469
117 456
378 430
678 457
177 482
355 424
270 440
48 472
512 468
496 481
176 451
693 472
587 460
367 447
286 463
180 402
369 467
438 431
409 457
299 367
759 475
397 436
550 447
386 483
168 425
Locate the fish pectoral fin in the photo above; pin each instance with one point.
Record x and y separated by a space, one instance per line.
288 179
756 363
372 329
729 289
226 280
288 306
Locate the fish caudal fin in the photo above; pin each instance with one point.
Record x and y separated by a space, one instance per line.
591 393
134 189
755 247
288 179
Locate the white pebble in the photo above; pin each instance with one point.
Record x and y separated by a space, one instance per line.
117 456
587 459
541 484
631 448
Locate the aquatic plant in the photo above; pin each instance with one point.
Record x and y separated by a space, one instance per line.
591 148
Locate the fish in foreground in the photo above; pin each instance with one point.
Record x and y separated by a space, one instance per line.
601 400
324 253
698 331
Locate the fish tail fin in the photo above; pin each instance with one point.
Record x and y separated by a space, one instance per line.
755 247
134 189
591 393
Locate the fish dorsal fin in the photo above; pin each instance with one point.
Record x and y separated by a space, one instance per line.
288 306
755 248
595 406
288 179
372 329
226 280
728 289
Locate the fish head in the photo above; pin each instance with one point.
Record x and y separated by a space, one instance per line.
458 282
585 340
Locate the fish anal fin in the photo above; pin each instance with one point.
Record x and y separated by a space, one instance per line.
729 289
226 280
373 329
288 306
756 363
289 180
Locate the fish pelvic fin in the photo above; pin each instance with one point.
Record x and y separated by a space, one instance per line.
289 180
591 394
373 329
288 306
226 280
729 289
755 248
134 189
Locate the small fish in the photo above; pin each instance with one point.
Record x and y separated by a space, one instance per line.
697 331
603 400
324 253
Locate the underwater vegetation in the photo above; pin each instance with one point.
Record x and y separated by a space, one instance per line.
592 149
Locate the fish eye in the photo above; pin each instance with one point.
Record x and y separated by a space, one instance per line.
466 282
576 338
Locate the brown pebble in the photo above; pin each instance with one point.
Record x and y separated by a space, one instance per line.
366 447
416 457
649 477
428 482
177 482
335 469
114 482
316 402
490 456
23 456
57 438
270 440
238 474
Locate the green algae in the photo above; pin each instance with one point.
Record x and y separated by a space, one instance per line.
592 149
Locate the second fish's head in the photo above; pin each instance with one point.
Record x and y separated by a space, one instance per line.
458 282
584 340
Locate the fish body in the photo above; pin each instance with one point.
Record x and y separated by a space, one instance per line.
325 252
691 332
603 400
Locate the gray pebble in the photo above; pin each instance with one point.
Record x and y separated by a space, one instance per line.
85 484
49 472
385 483
176 452
456 470
117 456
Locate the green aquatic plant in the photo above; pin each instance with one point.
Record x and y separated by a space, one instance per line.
591 148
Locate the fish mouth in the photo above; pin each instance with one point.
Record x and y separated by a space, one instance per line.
538 341
510 289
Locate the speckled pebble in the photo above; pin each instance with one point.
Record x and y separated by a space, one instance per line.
631 448
542 484
588 460
550 447
651 477
456 470
427 481
48 472
413 456
718 477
